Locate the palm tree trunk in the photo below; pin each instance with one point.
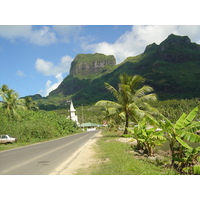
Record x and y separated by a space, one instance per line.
126 124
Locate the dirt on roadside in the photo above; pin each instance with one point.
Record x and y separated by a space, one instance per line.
84 159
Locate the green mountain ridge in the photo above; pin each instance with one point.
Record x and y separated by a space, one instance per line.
172 68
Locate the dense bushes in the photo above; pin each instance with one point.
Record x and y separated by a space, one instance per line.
21 118
36 124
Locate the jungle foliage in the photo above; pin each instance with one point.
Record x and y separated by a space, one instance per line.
22 119
36 124
131 99
153 128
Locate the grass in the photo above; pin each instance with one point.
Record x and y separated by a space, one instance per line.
116 159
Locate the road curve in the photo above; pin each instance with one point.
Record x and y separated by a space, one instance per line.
43 158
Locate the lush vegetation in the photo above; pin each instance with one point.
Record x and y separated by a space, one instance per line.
22 119
131 102
154 129
36 124
116 158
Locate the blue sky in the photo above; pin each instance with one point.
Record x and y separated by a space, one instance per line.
35 59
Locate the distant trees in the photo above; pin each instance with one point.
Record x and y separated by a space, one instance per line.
30 104
131 100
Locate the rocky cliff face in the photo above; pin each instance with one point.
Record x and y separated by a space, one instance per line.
85 64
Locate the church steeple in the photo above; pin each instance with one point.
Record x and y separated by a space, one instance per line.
72 113
72 107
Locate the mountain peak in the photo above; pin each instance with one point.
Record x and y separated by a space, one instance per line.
172 40
176 49
86 64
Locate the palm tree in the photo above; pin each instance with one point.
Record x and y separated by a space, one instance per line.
10 102
30 104
131 102
3 90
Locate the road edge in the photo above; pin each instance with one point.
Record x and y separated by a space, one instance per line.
72 164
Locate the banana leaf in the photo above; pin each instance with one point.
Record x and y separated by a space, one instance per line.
180 122
183 143
192 170
185 120
191 137
166 123
191 116
194 126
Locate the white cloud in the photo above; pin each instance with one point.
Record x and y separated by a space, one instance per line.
42 36
134 42
11 32
51 86
20 73
48 68
67 32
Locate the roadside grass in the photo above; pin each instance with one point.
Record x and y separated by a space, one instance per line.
116 158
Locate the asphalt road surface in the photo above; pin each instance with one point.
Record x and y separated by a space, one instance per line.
43 158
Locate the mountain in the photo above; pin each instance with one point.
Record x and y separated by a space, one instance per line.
172 68
34 97
84 69
86 64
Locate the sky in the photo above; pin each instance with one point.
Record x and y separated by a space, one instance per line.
35 59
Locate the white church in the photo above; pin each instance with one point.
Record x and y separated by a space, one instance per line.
72 113
72 116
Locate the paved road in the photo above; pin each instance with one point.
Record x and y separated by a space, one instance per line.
43 158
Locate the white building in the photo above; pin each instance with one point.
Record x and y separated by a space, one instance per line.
72 113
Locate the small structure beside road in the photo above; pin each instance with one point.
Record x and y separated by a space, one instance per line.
89 126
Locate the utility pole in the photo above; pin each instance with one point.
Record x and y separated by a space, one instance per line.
82 114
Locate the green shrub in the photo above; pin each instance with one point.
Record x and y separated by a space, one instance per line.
36 124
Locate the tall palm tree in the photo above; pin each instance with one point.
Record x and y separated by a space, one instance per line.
131 102
10 102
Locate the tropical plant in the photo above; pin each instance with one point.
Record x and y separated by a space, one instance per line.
180 136
10 102
3 90
131 101
36 125
30 104
147 136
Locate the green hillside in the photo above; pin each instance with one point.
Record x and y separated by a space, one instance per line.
171 68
